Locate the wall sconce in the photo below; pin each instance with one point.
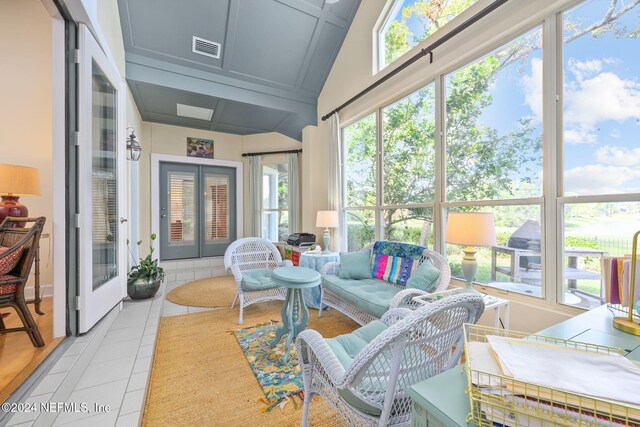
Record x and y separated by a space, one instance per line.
133 147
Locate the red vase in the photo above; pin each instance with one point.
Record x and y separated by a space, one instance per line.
10 206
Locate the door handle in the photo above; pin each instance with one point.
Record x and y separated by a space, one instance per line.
163 216
123 220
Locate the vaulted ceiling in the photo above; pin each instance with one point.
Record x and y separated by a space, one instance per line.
274 57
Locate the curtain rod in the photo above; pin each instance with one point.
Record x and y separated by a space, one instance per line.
271 152
423 52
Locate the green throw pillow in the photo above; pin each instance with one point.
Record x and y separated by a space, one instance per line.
425 277
355 265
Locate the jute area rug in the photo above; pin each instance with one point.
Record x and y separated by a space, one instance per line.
200 376
211 292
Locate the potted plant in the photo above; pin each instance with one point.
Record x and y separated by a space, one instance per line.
144 279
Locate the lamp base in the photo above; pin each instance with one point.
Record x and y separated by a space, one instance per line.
326 238
626 325
11 206
469 268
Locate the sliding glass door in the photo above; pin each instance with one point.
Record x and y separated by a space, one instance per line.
197 210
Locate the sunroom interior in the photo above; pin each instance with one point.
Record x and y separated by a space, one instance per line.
291 150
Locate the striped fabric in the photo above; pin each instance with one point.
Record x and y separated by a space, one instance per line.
394 262
393 269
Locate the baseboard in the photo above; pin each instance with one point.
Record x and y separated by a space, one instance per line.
45 291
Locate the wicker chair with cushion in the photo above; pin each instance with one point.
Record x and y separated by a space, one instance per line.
251 260
364 375
17 251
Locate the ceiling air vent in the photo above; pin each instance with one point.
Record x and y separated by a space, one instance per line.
206 47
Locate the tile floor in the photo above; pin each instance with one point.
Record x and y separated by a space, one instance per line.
111 364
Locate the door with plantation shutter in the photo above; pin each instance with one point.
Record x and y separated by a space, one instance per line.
197 210
219 224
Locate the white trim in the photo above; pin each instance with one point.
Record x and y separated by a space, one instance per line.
551 256
601 198
58 157
96 303
86 12
155 188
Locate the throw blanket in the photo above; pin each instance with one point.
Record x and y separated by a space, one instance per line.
394 262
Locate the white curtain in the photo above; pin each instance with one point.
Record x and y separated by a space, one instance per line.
254 214
294 193
335 180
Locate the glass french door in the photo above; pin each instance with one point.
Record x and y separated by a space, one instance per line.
103 273
197 210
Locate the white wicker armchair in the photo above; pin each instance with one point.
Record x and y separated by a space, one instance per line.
414 345
402 299
252 253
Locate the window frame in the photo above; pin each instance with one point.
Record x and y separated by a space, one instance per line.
380 206
384 19
276 210
552 200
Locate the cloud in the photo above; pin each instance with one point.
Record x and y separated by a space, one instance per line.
580 135
532 86
618 156
599 179
582 69
603 97
594 96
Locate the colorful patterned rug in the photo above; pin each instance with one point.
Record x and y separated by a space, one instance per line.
280 382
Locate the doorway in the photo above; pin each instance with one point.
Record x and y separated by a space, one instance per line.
32 122
198 206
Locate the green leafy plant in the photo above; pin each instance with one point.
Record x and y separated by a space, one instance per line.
147 269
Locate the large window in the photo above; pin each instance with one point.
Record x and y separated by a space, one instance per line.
275 202
395 198
557 163
408 22
601 122
494 159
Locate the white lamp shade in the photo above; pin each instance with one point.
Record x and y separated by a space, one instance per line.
327 219
19 180
471 229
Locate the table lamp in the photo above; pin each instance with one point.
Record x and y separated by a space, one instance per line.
327 219
470 229
16 181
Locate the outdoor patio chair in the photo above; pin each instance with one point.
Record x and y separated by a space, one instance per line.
251 260
21 245
364 375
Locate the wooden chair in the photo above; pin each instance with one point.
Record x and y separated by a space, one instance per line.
12 284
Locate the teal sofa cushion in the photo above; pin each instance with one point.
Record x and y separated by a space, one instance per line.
425 277
355 265
370 295
257 280
345 348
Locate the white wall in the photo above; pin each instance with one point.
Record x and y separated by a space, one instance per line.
26 108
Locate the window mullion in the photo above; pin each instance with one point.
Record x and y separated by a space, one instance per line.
551 224
379 220
439 167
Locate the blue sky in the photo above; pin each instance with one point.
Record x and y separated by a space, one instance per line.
601 103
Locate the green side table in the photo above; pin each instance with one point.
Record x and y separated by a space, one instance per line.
295 315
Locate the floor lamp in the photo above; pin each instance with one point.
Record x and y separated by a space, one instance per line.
470 229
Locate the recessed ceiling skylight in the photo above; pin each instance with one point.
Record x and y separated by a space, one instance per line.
194 112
